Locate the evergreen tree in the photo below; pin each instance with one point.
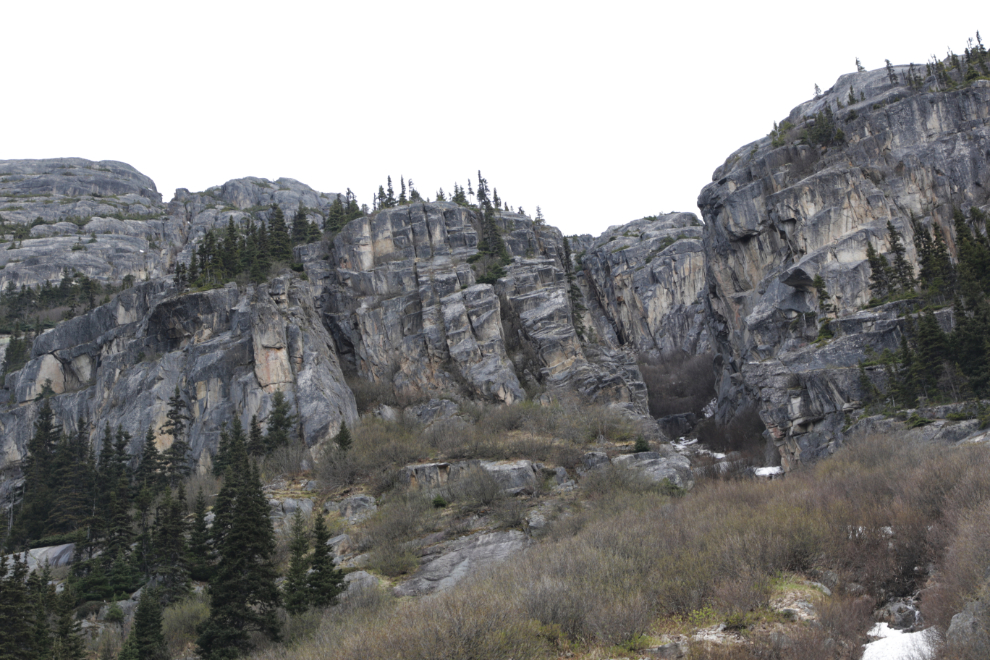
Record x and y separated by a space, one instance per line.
973 256
937 276
903 273
343 437
859 67
352 210
325 581
228 437
296 596
72 483
879 273
280 421
825 306
280 245
891 75
402 192
866 387
181 277
256 439
243 594
200 553
149 470
336 216
230 252
32 517
177 455
67 642
171 568
970 344
930 354
906 384
300 227
45 604
414 195
390 198
17 640
120 532
146 641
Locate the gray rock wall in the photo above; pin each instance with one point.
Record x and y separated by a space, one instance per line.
777 216
228 350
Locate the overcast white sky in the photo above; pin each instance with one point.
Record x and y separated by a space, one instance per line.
598 112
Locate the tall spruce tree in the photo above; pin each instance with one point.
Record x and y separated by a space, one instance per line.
280 421
280 243
72 482
149 470
296 596
32 517
903 273
325 581
300 227
146 641
171 568
177 455
256 439
17 640
243 593
67 641
200 553
343 437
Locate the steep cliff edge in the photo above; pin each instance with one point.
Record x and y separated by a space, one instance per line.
228 350
786 208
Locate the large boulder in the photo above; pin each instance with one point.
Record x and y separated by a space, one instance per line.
450 563
659 467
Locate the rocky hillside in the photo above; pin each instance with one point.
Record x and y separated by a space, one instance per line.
393 300
786 209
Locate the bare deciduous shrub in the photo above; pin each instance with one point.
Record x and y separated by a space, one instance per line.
369 394
204 482
179 622
608 570
379 448
289 460
963 569
401 517
678 383
510 512
475 488
612 482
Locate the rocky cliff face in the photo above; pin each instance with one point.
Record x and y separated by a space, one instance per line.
103 219
777 216
405 308
394 298
646 279
228 350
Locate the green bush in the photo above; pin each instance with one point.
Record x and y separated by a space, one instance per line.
115 614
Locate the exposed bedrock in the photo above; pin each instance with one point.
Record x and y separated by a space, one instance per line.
776 217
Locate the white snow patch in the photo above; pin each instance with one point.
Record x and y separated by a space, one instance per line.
893 644
768 471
